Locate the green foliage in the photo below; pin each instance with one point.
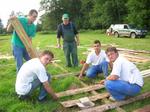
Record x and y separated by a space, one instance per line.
95 14
8 99
138 12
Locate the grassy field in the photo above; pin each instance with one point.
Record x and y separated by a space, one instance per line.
8 99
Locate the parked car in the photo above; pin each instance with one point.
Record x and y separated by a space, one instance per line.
125 30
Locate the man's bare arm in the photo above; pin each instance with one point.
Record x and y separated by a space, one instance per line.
85 66
50 90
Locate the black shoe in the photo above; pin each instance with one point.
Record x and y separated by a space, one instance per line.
22 97
43 100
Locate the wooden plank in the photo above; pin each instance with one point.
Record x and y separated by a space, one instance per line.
143 109
116 104
145 72
71 103
136 51
80 90
118 109
24 37
65 75
135 58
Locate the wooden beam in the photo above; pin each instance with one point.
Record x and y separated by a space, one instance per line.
24 37
118 109
143 109
80 90
116 104
136 51
65 75
71 103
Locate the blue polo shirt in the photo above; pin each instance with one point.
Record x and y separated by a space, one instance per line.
30 29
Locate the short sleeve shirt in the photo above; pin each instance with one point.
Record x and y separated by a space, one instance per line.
30 71
96 59
30 29
127 71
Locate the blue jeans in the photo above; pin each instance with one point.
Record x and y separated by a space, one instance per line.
121 89
95 69
35 84
20 53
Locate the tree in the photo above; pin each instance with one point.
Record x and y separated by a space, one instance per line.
139 13
54 10
1 27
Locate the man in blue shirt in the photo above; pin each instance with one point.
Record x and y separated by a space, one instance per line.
19 50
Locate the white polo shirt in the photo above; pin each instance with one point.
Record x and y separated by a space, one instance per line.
30 71
95 59
127 71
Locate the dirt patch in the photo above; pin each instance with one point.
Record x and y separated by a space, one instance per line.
6 56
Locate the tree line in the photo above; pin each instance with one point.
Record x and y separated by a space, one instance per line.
95 14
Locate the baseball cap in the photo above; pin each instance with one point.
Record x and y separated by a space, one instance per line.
65 16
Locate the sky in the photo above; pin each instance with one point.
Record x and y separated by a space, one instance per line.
24 6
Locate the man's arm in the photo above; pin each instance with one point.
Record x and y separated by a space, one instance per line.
85 66
50 90
59 34
112 77
58 43
9 28
77 39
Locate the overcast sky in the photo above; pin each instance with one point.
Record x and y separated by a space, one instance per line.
7 6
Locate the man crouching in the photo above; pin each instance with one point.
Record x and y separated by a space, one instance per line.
33 75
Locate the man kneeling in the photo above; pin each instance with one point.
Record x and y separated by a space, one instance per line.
125 79
33 75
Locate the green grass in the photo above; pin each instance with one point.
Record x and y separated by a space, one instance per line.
8 99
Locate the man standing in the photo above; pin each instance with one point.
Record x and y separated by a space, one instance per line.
19 50
125 79
68 32
99 62
32 75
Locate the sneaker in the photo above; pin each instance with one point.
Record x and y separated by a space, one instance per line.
112 99
22 97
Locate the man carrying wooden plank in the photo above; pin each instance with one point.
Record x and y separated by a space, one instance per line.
19 50
125 79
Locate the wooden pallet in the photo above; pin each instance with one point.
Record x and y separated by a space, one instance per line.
98 96
143 109
113 105
71 103
79 90
23 37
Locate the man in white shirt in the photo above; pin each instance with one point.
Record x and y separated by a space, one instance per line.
32 75
99 62
125 79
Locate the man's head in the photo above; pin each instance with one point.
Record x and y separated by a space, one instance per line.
97 45
112 53
65 19
46 57
32 15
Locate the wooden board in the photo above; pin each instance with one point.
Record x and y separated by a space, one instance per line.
116 104
143 109
71 103
80 90
24 37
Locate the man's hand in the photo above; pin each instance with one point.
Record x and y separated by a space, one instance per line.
58 46
102 82
78 43
112 77
55 97
80 76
